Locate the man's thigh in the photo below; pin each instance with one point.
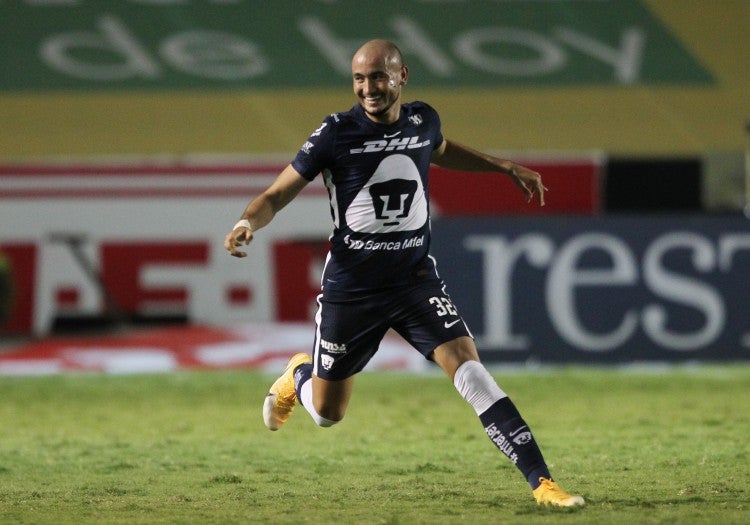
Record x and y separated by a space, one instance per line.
348 333
426 317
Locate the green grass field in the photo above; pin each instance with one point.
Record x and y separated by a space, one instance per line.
642 447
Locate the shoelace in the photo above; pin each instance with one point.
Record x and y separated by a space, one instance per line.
287 402
551 486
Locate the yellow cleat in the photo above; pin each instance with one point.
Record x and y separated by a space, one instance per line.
550 493
282 398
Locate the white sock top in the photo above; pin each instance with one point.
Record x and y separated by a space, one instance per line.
477 386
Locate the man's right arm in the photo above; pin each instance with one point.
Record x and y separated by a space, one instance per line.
262 209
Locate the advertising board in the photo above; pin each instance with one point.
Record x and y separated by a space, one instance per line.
601 289
145 239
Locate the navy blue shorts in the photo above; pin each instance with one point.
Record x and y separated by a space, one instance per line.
350 327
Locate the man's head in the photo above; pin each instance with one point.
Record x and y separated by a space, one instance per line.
378 73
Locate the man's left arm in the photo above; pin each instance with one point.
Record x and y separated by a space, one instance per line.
455 156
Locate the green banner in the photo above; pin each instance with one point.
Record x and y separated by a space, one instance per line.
182 44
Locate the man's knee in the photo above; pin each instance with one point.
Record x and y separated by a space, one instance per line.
330 399
454 353
328 414
323 422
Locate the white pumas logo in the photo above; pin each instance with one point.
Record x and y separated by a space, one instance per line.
522 438
395 144
326 361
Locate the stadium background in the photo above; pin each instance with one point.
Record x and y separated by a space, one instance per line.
134 133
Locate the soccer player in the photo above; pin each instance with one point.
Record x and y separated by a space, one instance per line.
379 274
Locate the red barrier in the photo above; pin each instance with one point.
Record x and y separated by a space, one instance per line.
574 188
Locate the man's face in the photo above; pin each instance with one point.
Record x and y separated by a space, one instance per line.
377 83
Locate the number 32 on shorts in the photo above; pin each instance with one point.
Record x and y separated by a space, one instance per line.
443 305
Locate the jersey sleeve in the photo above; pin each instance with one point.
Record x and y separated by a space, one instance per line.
439 137
437 127
315 153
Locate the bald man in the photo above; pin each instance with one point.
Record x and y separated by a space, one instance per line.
379 274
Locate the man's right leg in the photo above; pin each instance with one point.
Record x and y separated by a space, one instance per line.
282 397
348 332
325 400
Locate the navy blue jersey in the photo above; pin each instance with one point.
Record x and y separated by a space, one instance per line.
376 176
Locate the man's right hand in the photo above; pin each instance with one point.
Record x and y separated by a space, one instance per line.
236 238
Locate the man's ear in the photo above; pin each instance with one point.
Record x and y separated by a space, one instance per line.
404 75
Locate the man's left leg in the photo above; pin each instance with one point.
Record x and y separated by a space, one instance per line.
501 420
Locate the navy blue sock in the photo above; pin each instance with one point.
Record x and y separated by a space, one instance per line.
301 374
512 436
